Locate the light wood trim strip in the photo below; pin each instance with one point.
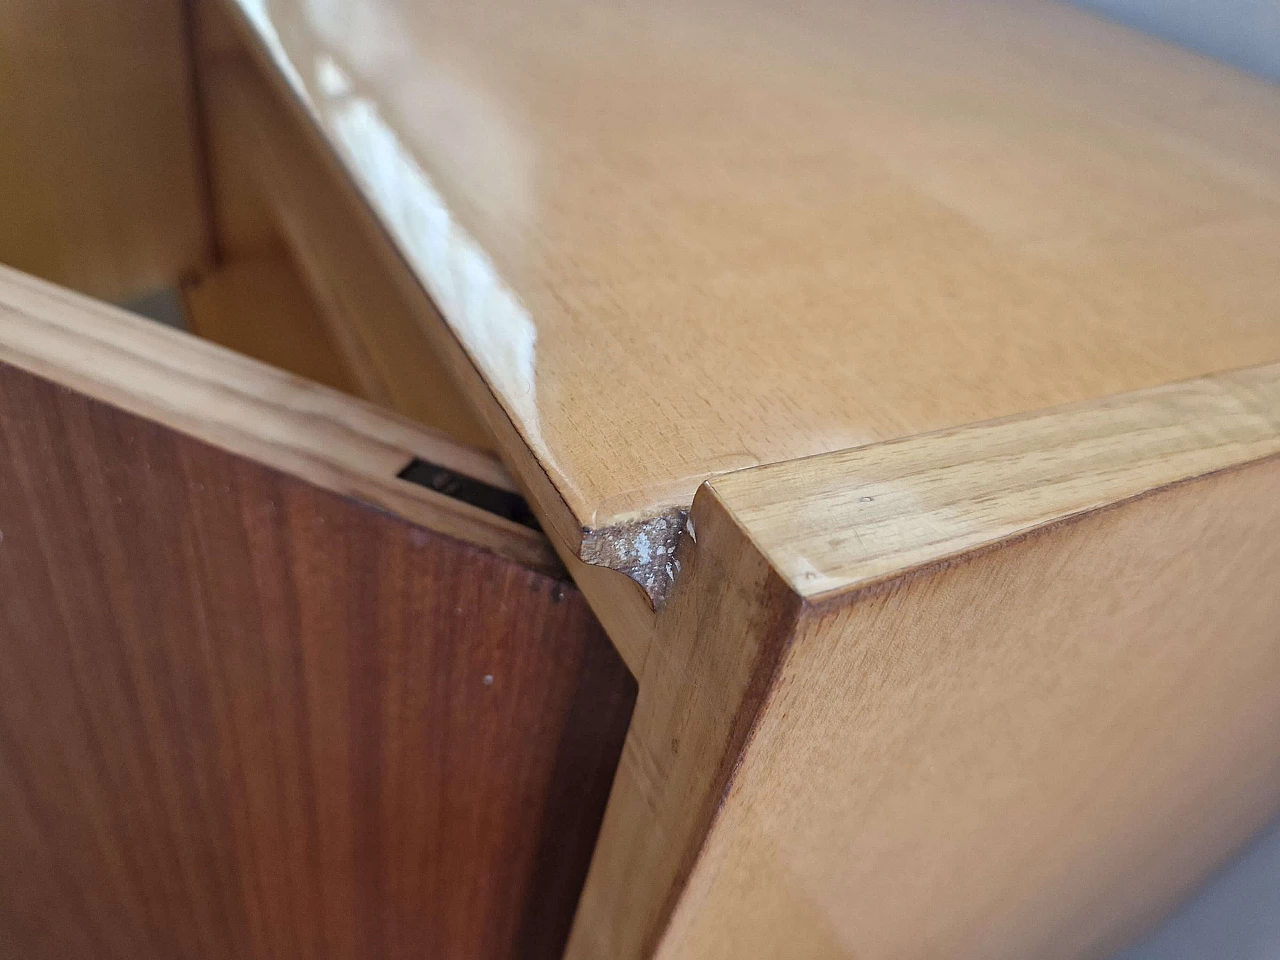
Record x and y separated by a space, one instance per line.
748 646
334 441
713 651
846 520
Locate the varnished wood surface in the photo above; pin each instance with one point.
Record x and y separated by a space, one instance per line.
367 315
1036 751
100 180
245 717
681 239
996 724
842 521
624 605
251 409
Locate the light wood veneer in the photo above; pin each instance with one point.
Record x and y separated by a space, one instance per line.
680 239
897 380
1021 718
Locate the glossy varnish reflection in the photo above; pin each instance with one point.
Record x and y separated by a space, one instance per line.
680 239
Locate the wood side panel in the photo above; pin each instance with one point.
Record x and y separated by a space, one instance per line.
1155 577
243 716
369 319
241 223
260 308
100 181
1034 750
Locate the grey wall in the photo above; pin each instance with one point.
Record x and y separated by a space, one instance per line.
1235 917
1245 33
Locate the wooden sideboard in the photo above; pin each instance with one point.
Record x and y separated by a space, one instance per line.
683 481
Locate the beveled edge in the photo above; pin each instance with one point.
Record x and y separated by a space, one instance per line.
935 496
845 521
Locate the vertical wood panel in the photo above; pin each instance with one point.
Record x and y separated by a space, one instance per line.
241 223
262 309
244 717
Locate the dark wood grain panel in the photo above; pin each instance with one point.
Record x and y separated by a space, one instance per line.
241 716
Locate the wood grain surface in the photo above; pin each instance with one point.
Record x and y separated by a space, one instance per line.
100 180
841 521
240 223
622 605
249 408
242 716
367 315
681 239
1033 751
1027 700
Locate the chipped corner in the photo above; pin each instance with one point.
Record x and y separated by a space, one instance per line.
644 550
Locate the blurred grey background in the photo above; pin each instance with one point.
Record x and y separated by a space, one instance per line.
1245 33
1236 916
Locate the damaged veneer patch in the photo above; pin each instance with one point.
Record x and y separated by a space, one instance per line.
645 550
